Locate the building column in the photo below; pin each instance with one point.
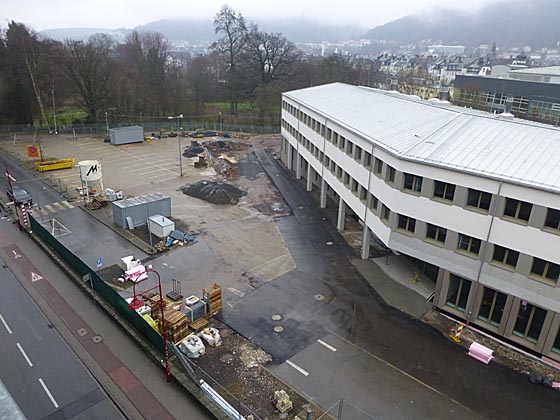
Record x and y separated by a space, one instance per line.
309 172
341 214
323 194
290 155
298 166
366 242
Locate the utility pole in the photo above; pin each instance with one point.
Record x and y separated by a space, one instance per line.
13 198
107 123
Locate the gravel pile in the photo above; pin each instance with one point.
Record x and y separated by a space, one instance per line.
193 151
214 192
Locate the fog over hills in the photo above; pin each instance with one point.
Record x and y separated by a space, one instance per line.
514 23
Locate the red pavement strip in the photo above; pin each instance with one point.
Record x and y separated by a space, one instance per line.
137 393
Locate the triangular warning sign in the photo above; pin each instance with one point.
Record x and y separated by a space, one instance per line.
36 277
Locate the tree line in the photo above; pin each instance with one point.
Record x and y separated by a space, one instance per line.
143 77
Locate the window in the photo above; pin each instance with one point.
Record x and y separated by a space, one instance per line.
436 233
552 219
349 147
458 292
329 134
363 193
479 199
385 212
377 166
556 344
373 202
545 269
469 244
390 175
505 256
358 153
367 161
529 323
517 209
444 190
492 307
346 178
354 185
341 143
407 223
412 183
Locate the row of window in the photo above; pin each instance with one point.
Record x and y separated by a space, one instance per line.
529 319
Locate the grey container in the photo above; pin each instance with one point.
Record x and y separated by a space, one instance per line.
125 135
140 208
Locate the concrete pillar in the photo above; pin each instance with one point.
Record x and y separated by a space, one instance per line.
290 155
366 240
323 194
309 180
341 214
298 166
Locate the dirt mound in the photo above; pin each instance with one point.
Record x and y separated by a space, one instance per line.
214 192
193 151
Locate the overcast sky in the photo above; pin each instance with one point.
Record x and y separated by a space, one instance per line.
48 14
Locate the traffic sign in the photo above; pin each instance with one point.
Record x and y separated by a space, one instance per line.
99 262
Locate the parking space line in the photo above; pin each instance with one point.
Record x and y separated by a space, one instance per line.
331 348
160 175
5 324
24 355
296 367
48 393
150 172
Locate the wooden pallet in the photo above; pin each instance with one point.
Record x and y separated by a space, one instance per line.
213 296
198 324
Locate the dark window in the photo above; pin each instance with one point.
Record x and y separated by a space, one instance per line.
377 166
505 256
385 212
458 292
436 233
407 223
469 244
368 159
517 209
552 218
529 323
556 344
444 190
412 182
492 307
479 199
390 175
545 269
358 153
373 201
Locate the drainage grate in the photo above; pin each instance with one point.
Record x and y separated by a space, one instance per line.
82 332
97 339
319 297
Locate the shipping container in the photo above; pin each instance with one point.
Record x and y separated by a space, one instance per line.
125 135
138 209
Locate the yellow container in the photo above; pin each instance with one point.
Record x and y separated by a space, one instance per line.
53 165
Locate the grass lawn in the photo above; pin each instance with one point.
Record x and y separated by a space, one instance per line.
65 116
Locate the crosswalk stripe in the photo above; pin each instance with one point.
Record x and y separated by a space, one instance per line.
67 204
50 208
59 206
43 211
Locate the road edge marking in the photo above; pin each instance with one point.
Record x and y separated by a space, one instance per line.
296 367
48 393
24 355
5 324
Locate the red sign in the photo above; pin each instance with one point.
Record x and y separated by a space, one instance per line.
32 151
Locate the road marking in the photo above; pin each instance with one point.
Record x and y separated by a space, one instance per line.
24 355
12 178
59 206
36 277
67 204
140 172
5 324
43 211
296 367
331 348
16 255
48 393
50 208
235 291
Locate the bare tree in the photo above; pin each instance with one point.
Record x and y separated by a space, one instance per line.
232 27
89 67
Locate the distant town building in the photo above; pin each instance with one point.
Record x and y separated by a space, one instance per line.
447 49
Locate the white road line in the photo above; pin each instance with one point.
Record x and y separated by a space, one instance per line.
160 175
48 393
24 355
67 204
331 348
59 206
5 324
140 173
12 178
296 367
50 208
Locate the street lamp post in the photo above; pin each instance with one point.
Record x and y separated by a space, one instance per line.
13 197
138 303
179 117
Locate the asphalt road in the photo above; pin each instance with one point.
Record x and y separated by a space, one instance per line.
43 375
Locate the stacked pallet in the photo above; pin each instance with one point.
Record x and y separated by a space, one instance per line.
213 297
176 324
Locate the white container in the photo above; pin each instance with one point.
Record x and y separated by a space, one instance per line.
90 170
160 226
191 300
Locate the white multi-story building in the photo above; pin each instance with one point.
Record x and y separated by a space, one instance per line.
472 197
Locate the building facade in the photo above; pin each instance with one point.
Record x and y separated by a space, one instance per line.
471 196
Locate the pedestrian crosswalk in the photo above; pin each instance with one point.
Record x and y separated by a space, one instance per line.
47 209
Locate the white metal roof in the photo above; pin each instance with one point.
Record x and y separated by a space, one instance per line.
445 135
551 70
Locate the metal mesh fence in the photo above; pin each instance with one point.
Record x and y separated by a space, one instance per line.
345 410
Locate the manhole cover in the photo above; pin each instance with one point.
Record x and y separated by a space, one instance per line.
97 339
301 207
276 317
329 243
319 297
82 332
227 358
279 329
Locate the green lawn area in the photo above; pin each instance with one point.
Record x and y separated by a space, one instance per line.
65 116
224 107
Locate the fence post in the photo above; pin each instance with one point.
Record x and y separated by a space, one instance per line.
308 414
340 409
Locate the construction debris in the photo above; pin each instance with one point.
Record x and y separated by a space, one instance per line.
193 151
96 203
282 401
214 192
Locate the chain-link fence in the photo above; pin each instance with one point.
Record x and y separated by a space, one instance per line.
345 410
